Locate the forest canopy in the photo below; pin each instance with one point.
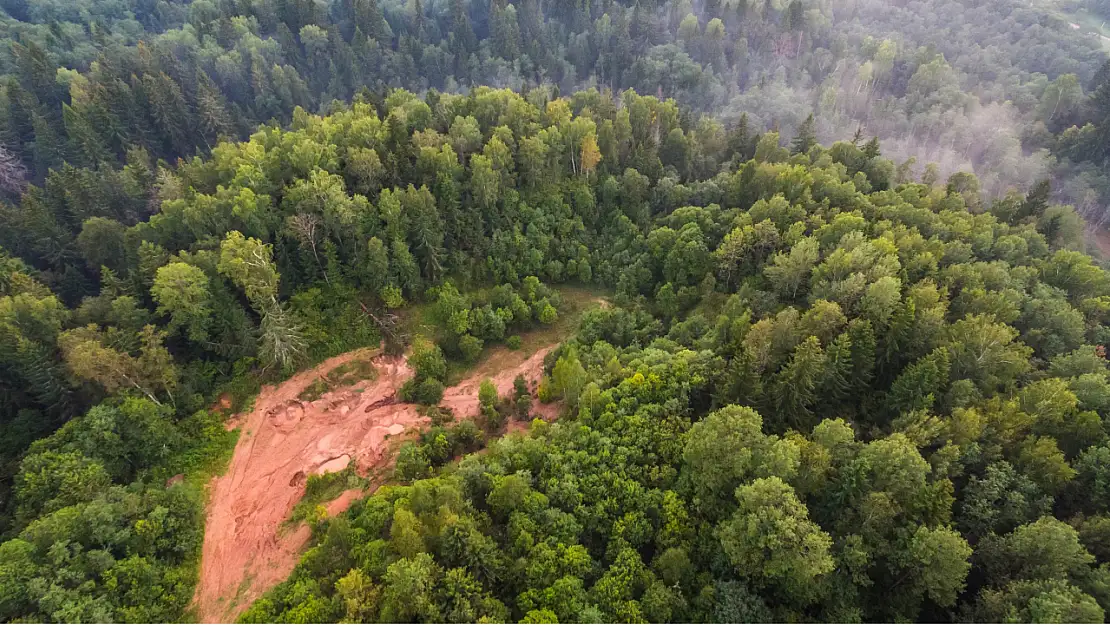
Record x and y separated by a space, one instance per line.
987 86
842 377
907 380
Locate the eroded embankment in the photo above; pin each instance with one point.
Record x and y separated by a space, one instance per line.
246 550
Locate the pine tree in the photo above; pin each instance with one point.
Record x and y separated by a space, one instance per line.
871 150
806 137
369 17
86 141
49 148
425 229
837 382
504 30
44 376
1036 201
794 16
213 120
38 74
740 140
464 41
18 129
170 112
794 389
863 345
920 384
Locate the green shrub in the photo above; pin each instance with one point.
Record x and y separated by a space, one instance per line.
546 392
412 462
470 347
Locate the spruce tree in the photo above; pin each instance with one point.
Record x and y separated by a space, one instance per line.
806 137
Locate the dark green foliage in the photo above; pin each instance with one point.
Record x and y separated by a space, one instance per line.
131 546
521 399
852 408
466 323
490 406
320 489
429 371
438 446
824 393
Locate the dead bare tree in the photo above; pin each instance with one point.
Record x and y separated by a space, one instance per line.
306 227
389 325
13 174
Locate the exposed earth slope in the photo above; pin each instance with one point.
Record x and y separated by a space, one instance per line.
246 548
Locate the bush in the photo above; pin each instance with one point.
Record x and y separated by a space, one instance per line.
465 322
487 401
439 445
427 361
430 368
546 392
412 463
470 347
321 489
439 415
522 399
487 395
391 296
466 436
428 392
548 315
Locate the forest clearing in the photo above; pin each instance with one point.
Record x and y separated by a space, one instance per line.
247 549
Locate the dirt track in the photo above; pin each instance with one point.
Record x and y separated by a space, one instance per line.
284 440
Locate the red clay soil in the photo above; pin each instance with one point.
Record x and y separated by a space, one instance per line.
246 550
462 398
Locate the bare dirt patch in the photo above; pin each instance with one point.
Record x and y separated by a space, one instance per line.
286 439
501 366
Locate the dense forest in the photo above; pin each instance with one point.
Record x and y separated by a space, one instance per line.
989 86
825 396
854 368
927 364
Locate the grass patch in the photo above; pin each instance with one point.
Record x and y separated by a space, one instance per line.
315 390
208 455
346 374
244 586
415 319
320 489
576 301
352 372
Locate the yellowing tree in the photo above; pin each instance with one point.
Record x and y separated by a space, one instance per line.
590 154
89 355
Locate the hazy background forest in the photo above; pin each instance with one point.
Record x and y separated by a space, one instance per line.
986 86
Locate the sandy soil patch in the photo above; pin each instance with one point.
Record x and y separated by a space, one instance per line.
284 439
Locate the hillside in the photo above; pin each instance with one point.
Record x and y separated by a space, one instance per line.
550 311
823 395
826 388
